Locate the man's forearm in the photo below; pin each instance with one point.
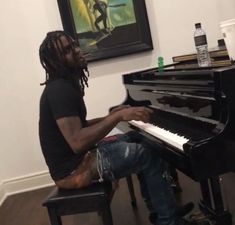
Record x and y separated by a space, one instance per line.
94 121
89 136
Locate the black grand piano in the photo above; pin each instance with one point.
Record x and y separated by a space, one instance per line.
194 122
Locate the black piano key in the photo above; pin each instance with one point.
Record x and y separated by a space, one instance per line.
186 127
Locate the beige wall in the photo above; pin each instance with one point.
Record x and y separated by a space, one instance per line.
24 23
226 9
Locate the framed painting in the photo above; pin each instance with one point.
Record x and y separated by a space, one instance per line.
107 28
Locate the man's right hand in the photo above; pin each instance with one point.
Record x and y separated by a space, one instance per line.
135 113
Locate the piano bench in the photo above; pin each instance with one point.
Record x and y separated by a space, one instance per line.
94 198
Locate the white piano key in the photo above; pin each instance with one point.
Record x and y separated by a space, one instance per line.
164 135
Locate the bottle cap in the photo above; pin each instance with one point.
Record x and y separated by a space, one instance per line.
221 42
198 25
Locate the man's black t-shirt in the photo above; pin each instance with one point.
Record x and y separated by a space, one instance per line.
59 99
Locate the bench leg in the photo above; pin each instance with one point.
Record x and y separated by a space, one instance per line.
131 191
106 214
55 219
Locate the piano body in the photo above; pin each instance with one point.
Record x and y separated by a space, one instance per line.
193 124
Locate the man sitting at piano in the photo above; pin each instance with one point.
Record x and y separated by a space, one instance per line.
75 149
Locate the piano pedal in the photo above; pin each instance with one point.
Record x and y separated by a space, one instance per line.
182 212
201 219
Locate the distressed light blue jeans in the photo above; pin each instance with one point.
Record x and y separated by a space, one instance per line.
125 154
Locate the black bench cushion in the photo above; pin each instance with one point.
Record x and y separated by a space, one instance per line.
87 199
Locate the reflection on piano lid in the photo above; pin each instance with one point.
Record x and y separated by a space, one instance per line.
193 123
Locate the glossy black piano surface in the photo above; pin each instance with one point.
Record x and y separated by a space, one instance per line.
196 104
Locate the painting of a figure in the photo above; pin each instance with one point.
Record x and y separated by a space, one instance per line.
97 20
101 25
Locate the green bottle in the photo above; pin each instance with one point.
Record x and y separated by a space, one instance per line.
160 64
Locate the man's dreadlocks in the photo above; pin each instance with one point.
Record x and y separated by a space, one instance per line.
50 61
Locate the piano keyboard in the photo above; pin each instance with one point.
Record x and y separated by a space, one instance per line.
164 135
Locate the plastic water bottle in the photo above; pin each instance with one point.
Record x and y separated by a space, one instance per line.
200 40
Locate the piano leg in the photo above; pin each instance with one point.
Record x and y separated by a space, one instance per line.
212 202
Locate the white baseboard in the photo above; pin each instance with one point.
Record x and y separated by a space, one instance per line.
2 194
24 183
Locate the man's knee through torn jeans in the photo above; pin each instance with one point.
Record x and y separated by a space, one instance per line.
121 155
